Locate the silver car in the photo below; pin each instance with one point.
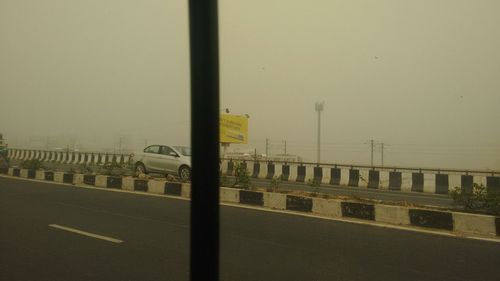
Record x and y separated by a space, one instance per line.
164 159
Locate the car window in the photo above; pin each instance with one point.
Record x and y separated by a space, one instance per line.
165 150
184 150
153 149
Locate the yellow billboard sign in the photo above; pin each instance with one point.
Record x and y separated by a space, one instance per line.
233 129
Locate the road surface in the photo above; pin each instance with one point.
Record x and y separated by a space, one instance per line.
55 232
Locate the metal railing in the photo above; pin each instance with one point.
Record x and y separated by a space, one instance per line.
354 166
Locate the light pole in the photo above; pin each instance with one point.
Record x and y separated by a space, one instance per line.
319 108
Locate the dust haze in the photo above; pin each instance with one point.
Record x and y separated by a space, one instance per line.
422 77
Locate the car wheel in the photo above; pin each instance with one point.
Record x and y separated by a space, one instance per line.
185 173
139 168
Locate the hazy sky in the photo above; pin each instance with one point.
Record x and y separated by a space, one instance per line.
421 76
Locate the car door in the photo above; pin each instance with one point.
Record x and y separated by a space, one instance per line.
151 158
169 163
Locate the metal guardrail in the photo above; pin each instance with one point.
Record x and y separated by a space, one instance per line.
352 166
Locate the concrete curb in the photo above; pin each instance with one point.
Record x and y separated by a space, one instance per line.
461 224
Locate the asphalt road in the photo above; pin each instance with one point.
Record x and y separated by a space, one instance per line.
255 245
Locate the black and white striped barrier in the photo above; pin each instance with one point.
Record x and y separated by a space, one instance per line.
456 222
416 181
70 158
387 214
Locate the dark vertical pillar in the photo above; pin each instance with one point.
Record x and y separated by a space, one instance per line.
335 176
270 171
493 183
230 168
395 180
442 184
353 177
301 174
417 182
318 175
285 172
204 54
256 170
466 183
373 179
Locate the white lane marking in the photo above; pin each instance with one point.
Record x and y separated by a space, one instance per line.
97 236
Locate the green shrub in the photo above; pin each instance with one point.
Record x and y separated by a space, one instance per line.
241 176
111 169
33 164
479 199
276 183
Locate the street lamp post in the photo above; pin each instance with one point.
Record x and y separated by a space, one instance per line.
319 108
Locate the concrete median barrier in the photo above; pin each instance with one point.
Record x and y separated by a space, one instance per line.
40 175
114 182
186 190
229 195
431 219
23 173
392 214
474 224
58 176
173 188
298 203
275 200
156 187
139 185
78 179
128 183
251 198
358 210
327 207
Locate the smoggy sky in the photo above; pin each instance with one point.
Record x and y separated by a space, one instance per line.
421 76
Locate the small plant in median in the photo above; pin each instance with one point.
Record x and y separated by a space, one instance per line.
112 169
33 164
86 168
276 183
479 199
314 183
241 176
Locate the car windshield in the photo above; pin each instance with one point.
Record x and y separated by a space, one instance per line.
184 150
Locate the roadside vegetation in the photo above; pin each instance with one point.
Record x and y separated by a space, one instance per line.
241 176
33 164
479 199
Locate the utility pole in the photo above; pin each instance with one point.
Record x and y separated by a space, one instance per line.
319 107
267 147
371 158
285 146
382 153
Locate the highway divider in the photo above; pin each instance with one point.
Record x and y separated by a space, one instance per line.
459 223
68 157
